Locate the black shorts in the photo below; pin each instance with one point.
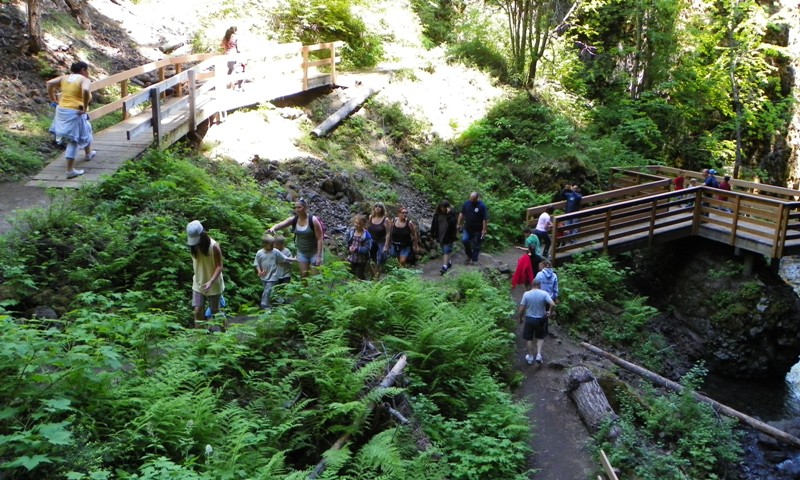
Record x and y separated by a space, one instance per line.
534 327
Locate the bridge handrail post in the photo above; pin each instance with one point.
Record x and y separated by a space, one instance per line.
192 73
155 100
304 51
735 224
652 231
123 92
179 86
161 77
780 231
607 230
333 63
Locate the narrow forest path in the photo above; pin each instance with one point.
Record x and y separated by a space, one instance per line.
560 442
16 196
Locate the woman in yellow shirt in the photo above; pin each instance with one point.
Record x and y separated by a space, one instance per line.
71 122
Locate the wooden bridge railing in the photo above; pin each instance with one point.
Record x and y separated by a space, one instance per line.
276 63
620 194
660 171
761 224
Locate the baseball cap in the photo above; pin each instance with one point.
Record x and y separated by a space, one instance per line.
193 231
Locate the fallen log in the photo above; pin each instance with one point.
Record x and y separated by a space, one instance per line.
387 382
420 438
660 381
590 400
344 111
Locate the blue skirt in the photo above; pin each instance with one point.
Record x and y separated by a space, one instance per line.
72 126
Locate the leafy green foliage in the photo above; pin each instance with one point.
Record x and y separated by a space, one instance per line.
118 385
23 147
126 235
439 20
673 436
482 55
326 21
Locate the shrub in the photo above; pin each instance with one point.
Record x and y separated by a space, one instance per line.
326 21
673 436
478 53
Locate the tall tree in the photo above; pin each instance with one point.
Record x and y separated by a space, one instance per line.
531 25
35 41
742 57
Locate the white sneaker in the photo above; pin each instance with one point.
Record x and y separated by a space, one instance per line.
74 173
529 359
539 358
90 156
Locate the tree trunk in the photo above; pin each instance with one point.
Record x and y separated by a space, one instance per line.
791 11
35 42
78 10
345 111
660 381
589 398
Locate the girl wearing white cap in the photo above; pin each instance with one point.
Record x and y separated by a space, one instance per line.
207 282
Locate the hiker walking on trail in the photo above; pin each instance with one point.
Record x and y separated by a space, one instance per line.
71 121
679 181
543 226
207 281
444 230
284 269
474 218
308 237
378 226
572 196
230 46
404 238
535 308
359 244
548 280
269 263
709 180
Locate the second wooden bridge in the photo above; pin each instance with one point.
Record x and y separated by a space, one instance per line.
191 90
643 211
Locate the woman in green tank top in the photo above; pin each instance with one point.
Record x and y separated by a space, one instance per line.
308 237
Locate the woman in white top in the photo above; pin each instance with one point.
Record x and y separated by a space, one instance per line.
543 226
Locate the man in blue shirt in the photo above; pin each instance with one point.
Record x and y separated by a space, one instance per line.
475 219
573 197
535 308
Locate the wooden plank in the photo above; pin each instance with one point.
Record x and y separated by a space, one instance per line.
149 67
305 68
156 109
607 466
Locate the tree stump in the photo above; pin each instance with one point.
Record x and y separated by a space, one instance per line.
592 404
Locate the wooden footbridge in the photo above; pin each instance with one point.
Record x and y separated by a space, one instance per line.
191 89
641 210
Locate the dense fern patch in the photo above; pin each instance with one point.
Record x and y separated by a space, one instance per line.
118 388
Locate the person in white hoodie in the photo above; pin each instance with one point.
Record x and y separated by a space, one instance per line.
548 279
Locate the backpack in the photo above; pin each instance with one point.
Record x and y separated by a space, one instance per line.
311 218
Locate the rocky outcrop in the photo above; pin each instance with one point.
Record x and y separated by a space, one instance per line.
741 325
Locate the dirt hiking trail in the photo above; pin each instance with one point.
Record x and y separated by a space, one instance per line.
561 443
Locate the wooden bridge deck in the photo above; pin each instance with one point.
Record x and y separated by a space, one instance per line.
195 95
758 218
